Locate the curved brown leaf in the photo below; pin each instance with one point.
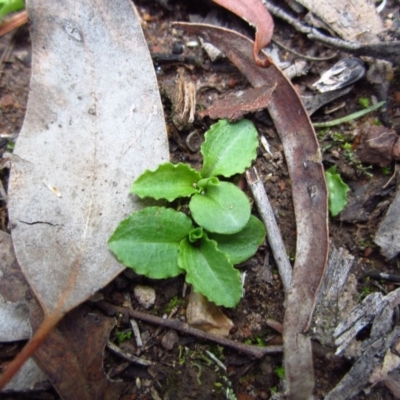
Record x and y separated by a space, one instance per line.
257 15
304 162
94 122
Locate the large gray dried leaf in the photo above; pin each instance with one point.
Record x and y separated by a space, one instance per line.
94 123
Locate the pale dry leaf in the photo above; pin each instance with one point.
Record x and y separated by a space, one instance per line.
94 122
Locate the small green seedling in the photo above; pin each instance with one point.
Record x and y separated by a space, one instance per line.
123 336
364 102
160 242
280 372
337 191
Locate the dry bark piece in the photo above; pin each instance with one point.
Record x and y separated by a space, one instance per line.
388 235
336 298
374 308
93 142
254 12
304 162
357 378
235 106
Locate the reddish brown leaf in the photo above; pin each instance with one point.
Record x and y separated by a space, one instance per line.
235 106
257 15
304 162
72 355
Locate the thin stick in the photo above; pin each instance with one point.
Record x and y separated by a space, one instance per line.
136 333
127 356
251 351
273 233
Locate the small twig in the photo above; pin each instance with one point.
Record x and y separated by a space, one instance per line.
273 233
136 333
306 57
251 351
311 32
382 50
127 356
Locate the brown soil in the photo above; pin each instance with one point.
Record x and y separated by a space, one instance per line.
185 372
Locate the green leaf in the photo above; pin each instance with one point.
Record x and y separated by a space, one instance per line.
244 244
229 148
168 181
148 241
9 6
210 272
220 208
337 191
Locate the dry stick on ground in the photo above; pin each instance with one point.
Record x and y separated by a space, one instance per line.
127 356
251 351
273 232
385 50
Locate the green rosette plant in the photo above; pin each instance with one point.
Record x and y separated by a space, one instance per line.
160 242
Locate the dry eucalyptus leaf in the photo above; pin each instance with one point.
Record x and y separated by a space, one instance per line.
94 122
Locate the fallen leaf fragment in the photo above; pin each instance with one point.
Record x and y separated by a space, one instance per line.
72 356
310 196
205 315
96 140
257 15
233 107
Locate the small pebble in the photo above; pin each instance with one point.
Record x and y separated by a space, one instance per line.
7 101
145 295
169 340
177 48
192 44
